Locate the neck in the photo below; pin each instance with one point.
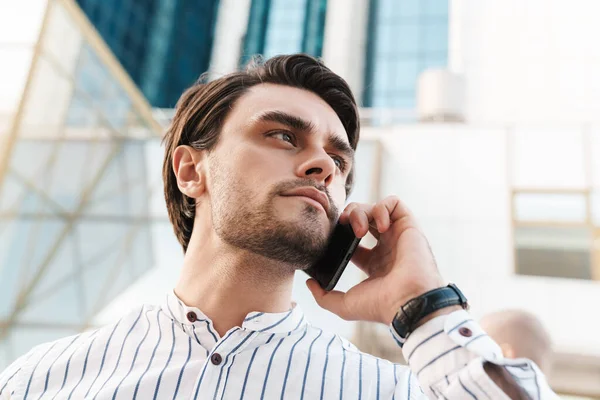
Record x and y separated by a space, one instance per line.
227 283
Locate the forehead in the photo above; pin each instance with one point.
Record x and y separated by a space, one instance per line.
295 101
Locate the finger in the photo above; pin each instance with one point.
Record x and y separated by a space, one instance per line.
332 301
381 217
397 209
359 219
373 230
394 207
379 222
346 213
363 214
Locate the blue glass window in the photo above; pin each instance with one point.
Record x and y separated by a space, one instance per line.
164 45
405 38
284 27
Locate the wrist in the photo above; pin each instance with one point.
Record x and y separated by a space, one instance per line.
423 308
405 299
438 313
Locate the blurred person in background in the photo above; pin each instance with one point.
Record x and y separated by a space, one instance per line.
258 165
520 334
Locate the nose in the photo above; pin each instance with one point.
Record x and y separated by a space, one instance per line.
319 167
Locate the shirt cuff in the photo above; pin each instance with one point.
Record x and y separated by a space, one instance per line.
439 349
448 353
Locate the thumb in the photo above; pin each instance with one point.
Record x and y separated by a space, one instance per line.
332 301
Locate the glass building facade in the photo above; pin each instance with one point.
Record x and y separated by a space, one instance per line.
75 212
405 37
164 45
285 26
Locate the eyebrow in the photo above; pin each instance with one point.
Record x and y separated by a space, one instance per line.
300 124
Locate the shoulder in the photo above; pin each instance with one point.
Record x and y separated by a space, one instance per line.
133 320
13 377
339 347
10 377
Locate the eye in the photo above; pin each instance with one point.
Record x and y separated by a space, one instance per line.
341 164
285 136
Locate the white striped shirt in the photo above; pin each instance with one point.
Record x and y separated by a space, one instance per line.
173 352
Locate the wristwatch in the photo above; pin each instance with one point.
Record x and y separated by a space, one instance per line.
416 309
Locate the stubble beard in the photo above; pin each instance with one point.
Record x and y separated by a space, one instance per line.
240 219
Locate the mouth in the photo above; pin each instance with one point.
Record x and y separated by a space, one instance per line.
313 202
310 195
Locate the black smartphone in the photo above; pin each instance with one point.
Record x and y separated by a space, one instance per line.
340 248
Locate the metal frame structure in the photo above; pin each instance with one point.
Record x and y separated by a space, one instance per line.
116 141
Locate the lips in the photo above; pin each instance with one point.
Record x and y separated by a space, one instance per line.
311 193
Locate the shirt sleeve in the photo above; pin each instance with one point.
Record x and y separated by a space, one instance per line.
447 355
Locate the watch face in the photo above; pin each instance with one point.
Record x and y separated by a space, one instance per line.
401 328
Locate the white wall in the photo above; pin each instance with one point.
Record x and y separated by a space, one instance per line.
455 178
532 66
455 181
535 60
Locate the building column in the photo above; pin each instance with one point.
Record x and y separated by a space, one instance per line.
232 23
344 46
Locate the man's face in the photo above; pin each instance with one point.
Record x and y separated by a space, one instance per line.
276 178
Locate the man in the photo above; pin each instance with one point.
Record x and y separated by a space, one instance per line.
520 334
257 168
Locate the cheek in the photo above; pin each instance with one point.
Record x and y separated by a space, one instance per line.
249 154
259 165
253 169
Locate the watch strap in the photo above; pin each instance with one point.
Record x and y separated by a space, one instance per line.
418 308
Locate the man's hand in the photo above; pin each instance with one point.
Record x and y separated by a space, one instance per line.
400 267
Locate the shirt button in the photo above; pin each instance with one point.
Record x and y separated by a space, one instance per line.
216 358
466 332
191 316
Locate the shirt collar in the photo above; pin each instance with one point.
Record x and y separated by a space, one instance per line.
283 322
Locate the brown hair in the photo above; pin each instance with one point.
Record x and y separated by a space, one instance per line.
202 109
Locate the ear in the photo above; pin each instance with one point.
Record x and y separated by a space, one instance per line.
188 167
507 350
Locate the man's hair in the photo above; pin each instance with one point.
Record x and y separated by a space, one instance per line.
202 109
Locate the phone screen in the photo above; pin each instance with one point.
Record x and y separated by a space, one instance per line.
340 248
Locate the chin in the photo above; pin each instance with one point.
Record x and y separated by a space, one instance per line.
303 209
308 217
318 230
